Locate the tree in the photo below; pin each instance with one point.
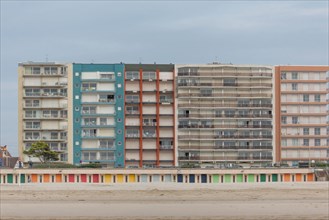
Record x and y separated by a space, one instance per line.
42 151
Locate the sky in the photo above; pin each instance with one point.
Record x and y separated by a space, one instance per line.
240 32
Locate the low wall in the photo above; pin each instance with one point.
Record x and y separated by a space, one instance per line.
113 176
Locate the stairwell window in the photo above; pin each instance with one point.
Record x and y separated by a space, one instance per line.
294 86
294 119
306 98
317 142
294 75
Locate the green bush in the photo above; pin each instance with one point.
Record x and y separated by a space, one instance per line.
53 165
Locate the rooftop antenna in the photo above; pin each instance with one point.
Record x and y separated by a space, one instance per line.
46 58
140 60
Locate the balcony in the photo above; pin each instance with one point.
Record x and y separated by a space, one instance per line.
223 126
216 137
224 105
224 95
220 74
223 116
213 84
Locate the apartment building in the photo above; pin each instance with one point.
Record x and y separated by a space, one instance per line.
224 115
302 110
96 113
149 115
42 106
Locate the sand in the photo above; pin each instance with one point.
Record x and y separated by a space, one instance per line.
166 201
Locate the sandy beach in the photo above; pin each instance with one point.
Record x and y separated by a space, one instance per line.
166 201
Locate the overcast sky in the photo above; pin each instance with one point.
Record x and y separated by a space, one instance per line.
241 32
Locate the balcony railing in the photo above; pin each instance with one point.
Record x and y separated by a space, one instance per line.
212 84
224 95
223 116
223 105
239 136
224 126
219 74
224 158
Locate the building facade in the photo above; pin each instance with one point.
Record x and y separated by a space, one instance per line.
96 110
224 115
150 115
42 106
302 110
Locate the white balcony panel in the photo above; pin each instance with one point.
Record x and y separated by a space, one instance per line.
89 75
166 109
89 144
105 109
149 98
106 132
132 121
105 86
149 109
149 144
166 75
166 155
166 121
32 82
89 98
166 132
149 155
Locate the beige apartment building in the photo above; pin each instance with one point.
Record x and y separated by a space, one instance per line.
150 115
302 110
224 115
42 106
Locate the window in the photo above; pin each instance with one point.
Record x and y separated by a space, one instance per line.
51 70
89 121
294 86
89 86
149 133
283 75
317 98
166 144
284 120
306 142
106 144
206 92
30 114
132 133
149 121
32 103
294 75
89 132
317 131
306 98
103 121
229 82
106 98
317 142
132 75
306 131
149 75
32 92
54 135
32 124
295 142
89 156
229 113
32 135
86 110
165 98
294 119
107 155
132 99
132 110
63 146
284 142
36 70
107 76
